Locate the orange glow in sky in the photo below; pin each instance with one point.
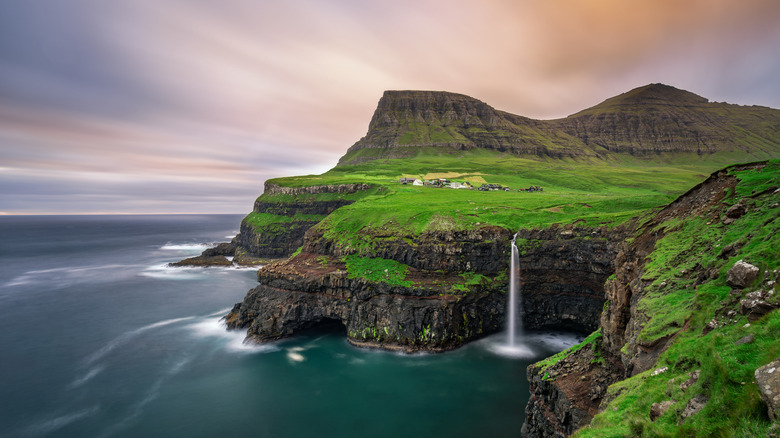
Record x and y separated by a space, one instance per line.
164 106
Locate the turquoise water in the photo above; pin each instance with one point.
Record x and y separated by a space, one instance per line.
100 339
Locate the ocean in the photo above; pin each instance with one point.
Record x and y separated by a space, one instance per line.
99 338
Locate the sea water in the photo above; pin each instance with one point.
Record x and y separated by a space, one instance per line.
100 338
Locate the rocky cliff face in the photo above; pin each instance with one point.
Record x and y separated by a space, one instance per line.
424 313
436 311
648 122
283 220
569 390
405 121
563 270
622 320
429 315
483 250
658 119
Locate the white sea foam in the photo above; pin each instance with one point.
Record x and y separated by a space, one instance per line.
555 341
48 426
199 247
87 377
515 351
124 337
216 327
165 272
221 312
295 356
65 275
531 345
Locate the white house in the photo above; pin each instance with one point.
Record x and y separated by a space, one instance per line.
417 182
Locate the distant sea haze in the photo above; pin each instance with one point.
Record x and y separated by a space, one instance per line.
101 339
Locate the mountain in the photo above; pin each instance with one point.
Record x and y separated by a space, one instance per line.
652 122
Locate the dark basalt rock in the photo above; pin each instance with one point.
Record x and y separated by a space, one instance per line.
483 250
217 260
563 270
300 293
279 240
566 396
561 287
227 249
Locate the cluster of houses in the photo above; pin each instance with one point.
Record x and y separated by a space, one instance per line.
443 182
440 182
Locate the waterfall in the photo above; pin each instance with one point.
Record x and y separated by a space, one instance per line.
514 319
514 345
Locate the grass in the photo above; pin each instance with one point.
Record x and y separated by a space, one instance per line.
673 306
554 359
377 270
590 194
470 279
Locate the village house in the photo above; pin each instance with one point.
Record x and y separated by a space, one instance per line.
406 180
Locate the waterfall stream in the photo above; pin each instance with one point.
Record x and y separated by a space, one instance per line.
514 320
515 343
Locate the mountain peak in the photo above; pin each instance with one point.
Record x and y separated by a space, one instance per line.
654 94
645 122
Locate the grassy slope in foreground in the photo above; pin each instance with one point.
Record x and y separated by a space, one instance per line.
590 193
674 305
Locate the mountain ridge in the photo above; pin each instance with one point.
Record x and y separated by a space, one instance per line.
647 122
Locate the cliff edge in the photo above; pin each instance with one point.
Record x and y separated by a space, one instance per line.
690 316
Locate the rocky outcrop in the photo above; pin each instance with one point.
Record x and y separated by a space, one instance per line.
203 261
303 292
276 189
276 226
483 250
742 274
566 395
768 381
562 274
428 314
756 304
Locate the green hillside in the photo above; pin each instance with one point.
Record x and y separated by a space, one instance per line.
593 194
710 331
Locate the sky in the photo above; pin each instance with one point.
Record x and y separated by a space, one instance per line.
188 106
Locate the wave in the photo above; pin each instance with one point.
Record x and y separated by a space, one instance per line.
200 247
87 377
221 312
65 275
51 425
165 272
233 340
124 337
